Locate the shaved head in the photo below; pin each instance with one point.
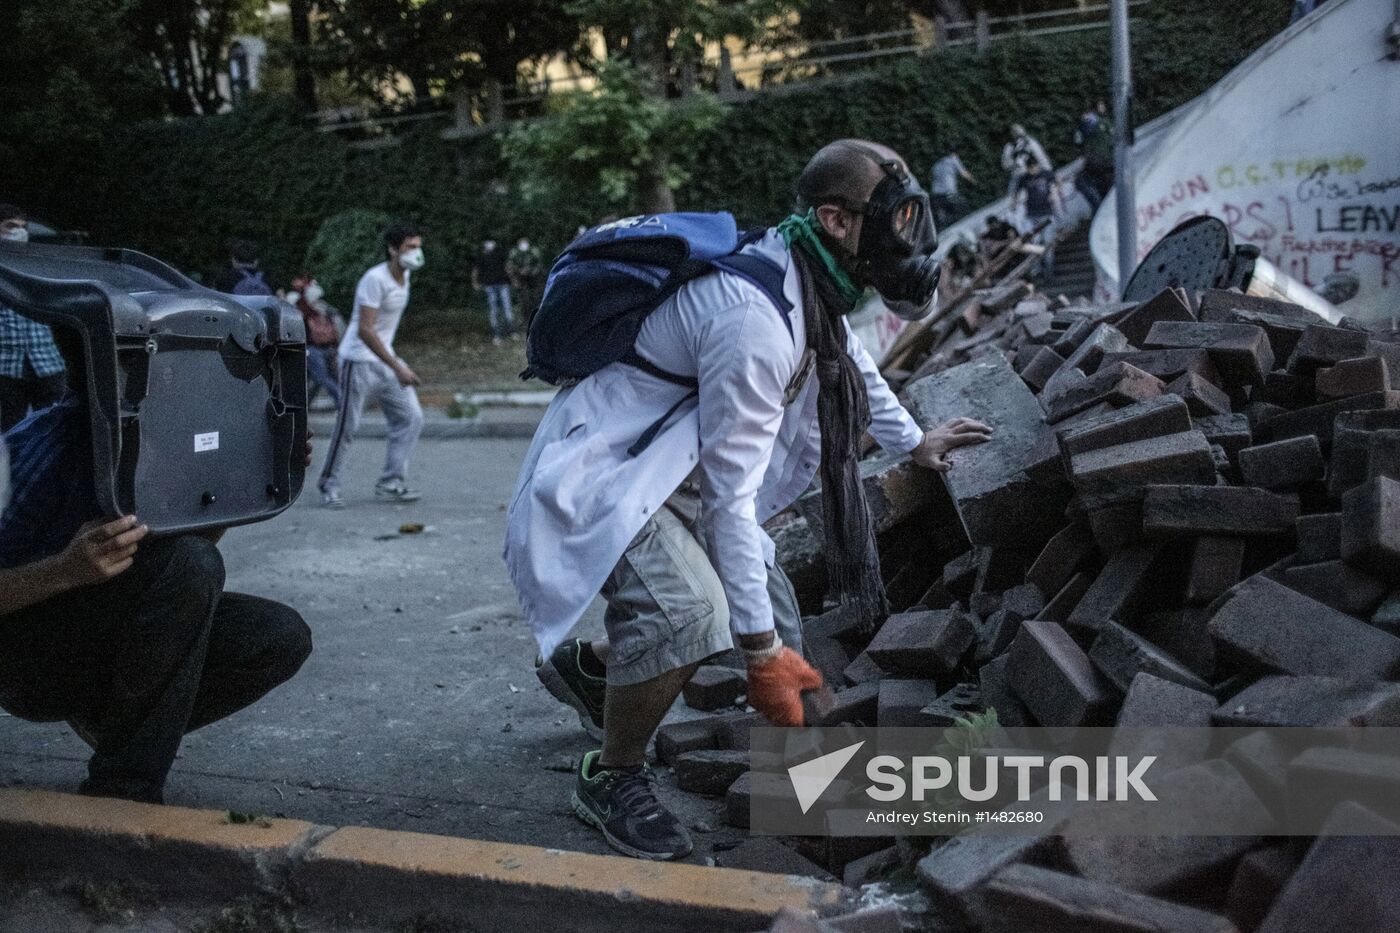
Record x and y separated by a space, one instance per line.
845 171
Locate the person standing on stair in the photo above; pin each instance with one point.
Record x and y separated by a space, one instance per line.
1019 153
369 369
668 524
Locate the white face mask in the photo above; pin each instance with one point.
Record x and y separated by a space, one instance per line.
17 235
314 293
412 259
523 245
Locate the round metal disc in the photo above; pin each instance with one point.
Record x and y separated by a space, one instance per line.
1192 257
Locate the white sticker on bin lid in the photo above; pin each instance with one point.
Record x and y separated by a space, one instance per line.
203 442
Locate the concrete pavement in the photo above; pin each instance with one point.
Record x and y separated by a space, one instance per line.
419 708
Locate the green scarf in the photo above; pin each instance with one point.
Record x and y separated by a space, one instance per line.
802 230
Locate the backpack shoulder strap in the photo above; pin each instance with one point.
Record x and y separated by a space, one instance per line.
763 274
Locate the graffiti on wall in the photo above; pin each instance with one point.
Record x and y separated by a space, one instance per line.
1312 217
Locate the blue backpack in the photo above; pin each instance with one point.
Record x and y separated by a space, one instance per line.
603 286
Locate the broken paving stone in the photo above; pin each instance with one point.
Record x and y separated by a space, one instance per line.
1229 431
1113 474
712 688
1323 345
858 704
1060 558
1156 417
962 701
955 872
1282 700
1060 608
870 868
922 644
1055 678
997 694
1170 304
732 729
1201 397
863 669
828 656
1155 702
1116 526
1353 377
1267 623
1319 537
1258 879
675 738
1371 527
1353 435
1121 655
1387 615
1341 586
902 702
1124 577
1214 568
1044 364
1170 365
1184 634
960 573
1241 352
709 771
1026 897
1099 846
1318 419
1088 355
1344 882
992 482
1233 511
1117 384
1281 465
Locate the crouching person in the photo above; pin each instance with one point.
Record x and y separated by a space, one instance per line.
649 479
130 639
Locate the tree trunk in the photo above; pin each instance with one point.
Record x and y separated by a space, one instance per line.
301 56
655 195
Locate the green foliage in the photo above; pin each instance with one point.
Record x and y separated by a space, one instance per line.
606 139
180 189
345 245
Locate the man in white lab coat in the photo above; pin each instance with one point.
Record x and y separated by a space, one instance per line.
671 537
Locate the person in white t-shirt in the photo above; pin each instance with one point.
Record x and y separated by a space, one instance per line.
369 369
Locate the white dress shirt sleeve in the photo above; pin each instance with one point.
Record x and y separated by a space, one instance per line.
893 428
745 363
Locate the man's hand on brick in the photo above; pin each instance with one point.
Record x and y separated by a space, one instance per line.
777 677
932 452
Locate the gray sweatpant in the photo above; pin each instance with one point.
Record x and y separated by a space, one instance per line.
359 382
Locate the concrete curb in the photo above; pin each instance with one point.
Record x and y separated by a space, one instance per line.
359 874
440 428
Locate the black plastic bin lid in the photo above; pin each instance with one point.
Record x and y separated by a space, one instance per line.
197 400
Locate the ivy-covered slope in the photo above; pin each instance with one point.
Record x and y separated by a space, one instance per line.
180 189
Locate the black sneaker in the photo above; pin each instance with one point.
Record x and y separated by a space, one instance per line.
623 805
566 680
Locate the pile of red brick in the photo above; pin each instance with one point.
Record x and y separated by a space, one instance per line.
1189 515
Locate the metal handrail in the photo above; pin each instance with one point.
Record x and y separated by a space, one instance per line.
799 57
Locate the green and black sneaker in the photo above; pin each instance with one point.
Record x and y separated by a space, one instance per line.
566 680
623 804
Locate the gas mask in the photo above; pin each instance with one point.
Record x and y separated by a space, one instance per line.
897 240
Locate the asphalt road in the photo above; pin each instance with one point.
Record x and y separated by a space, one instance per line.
419 708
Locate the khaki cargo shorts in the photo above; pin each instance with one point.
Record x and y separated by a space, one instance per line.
666 606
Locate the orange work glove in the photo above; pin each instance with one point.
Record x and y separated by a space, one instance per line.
776 685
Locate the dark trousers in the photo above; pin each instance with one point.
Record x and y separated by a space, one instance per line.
18 396
137 662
